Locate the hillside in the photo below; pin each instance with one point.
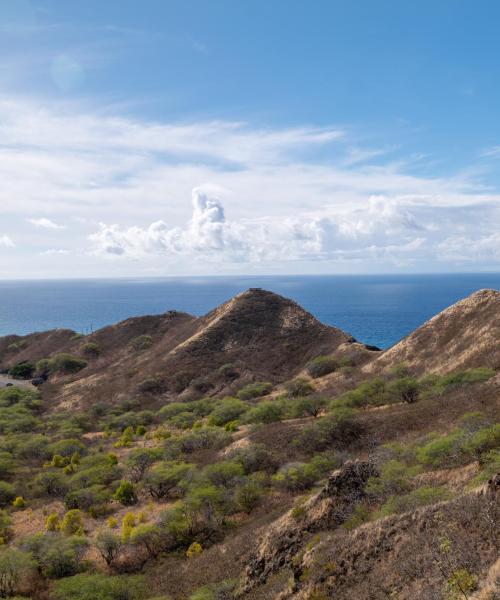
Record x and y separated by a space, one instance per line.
253 453
257 335
464 335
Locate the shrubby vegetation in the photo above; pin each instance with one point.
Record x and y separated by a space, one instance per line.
134 484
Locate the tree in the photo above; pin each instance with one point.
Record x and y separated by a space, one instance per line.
109 545
310 406
23 370
248 495
150 537
140 459
163 479
406 389
14 566
56 556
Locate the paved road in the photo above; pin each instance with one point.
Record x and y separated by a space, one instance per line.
4 380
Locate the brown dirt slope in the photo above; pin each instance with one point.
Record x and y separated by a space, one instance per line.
462 336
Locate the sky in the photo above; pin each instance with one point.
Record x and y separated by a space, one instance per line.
186 137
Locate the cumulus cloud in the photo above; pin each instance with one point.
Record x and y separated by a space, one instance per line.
45 223
276 195
6 241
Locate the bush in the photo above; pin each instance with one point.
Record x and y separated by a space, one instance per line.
369 393
255 457
227 410
91 349
66 363
141 459
224 474
108 545
101 587
483 441
298 387
15 566
337 430
321 366
141 343
7 494
255 390
310 406
51 483
405 389
67 447
296 476
166 478
409 502
150 537
23 370
394 478
72 523
441 384
125 493
248 495
215 591
445 450
151 385
268 411
56 556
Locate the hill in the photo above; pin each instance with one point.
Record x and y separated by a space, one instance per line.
253 453
464 335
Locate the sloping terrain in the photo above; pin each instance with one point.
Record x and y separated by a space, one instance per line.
253 454
260 335
464 335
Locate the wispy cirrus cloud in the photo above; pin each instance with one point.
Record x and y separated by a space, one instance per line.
6 241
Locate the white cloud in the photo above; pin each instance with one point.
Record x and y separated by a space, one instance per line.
6 241
45 223
302 194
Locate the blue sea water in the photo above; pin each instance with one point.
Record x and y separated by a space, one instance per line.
378 310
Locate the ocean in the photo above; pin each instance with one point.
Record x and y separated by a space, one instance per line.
378 309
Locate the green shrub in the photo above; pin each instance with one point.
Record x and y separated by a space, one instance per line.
445 450
440 385
225 474
56 556
66 363
215 591
484 440
91 349
368 393
101 587
7 494
126 494
23 370
310 406
267 411
405 389
255 390
248 495
229 409
109 545
336 430
15 567
321 366
166 479
298 387
141 459
151 385
409 502
255 457
141 343
394 478
72 523
67 447
296 476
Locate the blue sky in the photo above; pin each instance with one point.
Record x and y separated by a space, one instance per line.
184 137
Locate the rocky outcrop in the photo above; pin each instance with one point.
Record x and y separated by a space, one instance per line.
326 510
